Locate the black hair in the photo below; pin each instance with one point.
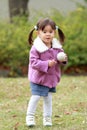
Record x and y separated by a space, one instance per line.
41 25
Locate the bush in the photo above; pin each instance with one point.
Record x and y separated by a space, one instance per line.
13 44
14 48
76 37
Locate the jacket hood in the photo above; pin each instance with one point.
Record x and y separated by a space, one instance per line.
41 47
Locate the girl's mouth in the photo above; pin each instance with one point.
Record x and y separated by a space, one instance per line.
48 38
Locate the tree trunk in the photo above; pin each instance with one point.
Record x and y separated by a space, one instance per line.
18 7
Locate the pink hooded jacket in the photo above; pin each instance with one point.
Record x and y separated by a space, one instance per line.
39 72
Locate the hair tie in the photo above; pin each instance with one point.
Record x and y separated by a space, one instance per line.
35 27
57 27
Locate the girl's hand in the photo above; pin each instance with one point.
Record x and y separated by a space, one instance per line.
65 60
51 63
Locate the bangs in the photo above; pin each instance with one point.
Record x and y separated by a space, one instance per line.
46 22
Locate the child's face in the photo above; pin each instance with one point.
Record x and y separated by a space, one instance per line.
47 34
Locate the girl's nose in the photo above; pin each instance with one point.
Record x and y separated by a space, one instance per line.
48 33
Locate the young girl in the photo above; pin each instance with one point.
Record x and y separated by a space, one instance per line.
44 68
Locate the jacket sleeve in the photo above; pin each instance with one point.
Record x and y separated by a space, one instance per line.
36 62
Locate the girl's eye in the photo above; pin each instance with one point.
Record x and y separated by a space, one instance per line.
46 32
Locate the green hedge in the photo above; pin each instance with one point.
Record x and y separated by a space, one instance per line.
14 49
76 37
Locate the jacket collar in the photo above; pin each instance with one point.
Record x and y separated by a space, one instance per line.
41 47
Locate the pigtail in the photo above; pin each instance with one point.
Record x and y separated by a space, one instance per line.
30 38
61 35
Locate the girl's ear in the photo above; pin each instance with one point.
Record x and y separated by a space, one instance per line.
37 32
55 34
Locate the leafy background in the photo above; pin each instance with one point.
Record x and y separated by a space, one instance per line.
14 48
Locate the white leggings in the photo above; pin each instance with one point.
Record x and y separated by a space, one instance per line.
47 105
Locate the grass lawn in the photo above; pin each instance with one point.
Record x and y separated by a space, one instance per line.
69 104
